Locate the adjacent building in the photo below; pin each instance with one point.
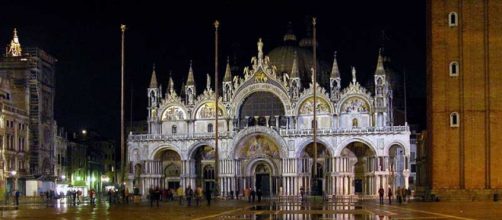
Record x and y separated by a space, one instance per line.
464 102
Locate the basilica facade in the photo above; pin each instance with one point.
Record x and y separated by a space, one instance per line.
265 136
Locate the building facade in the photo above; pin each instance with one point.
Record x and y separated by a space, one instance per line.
14 147
266 137
32 72
464 83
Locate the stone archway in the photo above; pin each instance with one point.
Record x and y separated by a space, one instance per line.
358 159
398 163
202 165
171 168
315 176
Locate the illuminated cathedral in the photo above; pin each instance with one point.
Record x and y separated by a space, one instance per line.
265 129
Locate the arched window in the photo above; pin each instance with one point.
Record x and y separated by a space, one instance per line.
454 68
355 123
452 19
454 119
210 128
173 129
314 124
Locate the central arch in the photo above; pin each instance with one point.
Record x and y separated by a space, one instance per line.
317 178
171 167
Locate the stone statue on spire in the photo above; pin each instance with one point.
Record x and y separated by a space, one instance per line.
354 75
208 82
260 49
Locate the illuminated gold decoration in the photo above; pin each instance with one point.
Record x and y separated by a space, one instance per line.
260 77
355 104
14 48
307 106
173 113
259 146
207 110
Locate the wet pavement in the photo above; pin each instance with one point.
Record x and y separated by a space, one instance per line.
239 209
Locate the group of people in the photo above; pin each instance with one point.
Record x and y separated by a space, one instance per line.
118 196
187 194
402 195
251 194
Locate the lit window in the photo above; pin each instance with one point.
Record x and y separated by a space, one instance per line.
452 19
454 68
454 119
173 129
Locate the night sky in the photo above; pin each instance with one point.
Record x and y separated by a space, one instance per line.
85 38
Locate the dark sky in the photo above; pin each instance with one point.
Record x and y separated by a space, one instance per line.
85 37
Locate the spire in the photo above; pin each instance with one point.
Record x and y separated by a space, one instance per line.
295 73
335 73
190 79
354 75
228 74
153 80
14 48
380 69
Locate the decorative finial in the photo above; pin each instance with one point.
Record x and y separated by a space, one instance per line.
14 49
123 27
260 49
354 75
335 73
334 54
208 82
314 21
216 24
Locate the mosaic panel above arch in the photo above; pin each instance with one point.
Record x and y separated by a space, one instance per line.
307 106
355 104
258 146
208 110
173 113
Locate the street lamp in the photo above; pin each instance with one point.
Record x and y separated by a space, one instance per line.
13 173
14 180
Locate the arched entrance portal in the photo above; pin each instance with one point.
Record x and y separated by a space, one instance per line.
259 155
203 159
263 174
171 168
361 178
317 183
397 165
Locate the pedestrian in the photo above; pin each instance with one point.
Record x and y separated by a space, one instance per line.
237 194
189 195
126 195
389 194
247 193
79 193
156 194
208 196
110 196
381 193
151 196
302 193
198 195
399 195
259 194
17 197
91 196
253 195
180 194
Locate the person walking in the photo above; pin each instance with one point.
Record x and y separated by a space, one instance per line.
91 196
156 194
381 193
253 195
126 195
259 194
302 193
189 195
247 193
208 196
389 194
198 195
17 197
399 195
180 194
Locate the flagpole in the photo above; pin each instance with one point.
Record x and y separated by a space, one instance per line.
216 158
314 84
122 141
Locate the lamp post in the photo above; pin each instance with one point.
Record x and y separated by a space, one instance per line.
14 180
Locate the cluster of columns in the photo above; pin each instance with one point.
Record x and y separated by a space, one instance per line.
338 178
